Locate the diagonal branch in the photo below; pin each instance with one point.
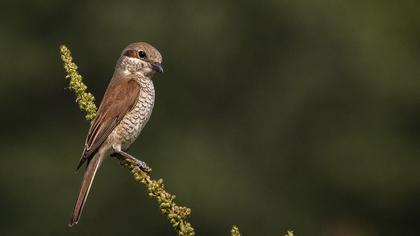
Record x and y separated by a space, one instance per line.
85 99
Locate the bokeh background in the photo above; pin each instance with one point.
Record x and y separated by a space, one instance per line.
272 115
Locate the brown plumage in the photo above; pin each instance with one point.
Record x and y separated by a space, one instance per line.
119 98
124 111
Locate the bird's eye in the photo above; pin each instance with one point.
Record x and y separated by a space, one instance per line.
142 54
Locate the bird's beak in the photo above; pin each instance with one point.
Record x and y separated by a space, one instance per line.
157 67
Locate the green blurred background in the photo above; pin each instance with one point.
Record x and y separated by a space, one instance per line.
271 115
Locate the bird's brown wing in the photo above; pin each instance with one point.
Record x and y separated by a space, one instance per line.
119 98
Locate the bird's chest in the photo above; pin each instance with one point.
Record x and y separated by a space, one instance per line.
134 121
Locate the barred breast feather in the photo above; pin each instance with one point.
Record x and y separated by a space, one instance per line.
134 121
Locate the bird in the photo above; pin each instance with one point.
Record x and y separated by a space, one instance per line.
124 110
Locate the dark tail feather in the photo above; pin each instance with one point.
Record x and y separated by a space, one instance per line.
84 189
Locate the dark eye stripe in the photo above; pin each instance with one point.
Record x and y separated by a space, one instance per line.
131 53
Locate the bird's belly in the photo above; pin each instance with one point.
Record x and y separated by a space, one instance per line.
133 122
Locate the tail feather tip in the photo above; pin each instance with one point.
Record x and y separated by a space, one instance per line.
72 223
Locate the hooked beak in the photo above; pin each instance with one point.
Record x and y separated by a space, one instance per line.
157 67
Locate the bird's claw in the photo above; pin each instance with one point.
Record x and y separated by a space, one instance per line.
143 166
140 164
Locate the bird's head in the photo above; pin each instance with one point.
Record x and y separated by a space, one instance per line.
140 58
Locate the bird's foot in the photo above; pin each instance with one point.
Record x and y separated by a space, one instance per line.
140 164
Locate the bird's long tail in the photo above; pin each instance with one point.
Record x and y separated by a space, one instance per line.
90 172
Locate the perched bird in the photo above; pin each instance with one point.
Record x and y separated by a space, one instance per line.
124 111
